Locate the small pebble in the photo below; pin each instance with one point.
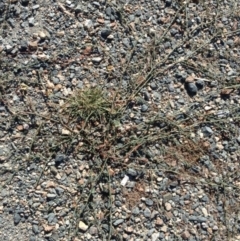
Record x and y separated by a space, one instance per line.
144 108
96 60
105 33
16 218
185 235
191 88
118 222
168 206
149 202
147 213
82 226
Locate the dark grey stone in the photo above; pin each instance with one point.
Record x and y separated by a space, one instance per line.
4 151
60 158
51 217
162 236
153 86
198 20
202 219
109 11
186 197
181 75
173 184
32 238
138 13
78 8
205 199
191 88
59 190
180 50
209 164
11 22
35 229
147 213
105 227
105 33
147 96
149 202
167 45
173 31
200 83
118 222
168 2
144 108
55 80
131 17
198 219
135 211
150 232
118 204
207 131
195 205
24 2
176 198
156 96
16 218
189 23
213 83
126 42
230 42
132 172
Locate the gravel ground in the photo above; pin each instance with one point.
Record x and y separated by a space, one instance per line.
160 159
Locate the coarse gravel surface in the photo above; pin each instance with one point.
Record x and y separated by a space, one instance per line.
119 120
